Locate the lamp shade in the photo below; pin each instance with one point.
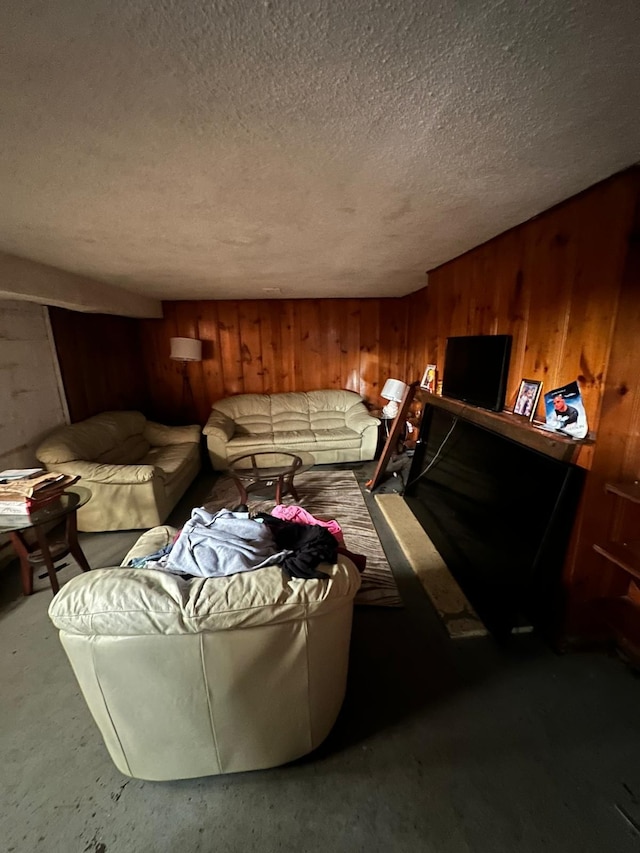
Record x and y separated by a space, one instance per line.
393 390
186 349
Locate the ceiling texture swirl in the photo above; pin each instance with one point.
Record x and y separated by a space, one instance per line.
270 148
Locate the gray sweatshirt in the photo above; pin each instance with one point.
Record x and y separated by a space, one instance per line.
226 543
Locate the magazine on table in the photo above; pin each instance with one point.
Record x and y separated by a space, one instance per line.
564 411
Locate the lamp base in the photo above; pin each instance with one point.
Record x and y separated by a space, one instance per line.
390 410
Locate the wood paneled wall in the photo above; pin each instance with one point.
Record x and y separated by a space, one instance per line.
267 346
566 285
553 283
100 362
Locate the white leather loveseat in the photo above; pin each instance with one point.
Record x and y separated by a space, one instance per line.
332 425
197 677
136 470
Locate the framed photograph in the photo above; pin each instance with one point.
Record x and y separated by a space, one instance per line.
428 381
527 399
564 411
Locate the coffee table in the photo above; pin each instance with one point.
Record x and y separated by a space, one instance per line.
50 546
268 470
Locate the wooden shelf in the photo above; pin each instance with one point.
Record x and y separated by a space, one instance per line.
511 426
628 491
623 554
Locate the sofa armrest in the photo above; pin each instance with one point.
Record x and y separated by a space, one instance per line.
358 419
159 435
95 472
219 426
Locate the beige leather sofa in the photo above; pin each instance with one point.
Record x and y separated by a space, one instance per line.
334 426
136 470
190 678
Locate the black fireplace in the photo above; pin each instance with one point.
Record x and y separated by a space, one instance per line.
499 513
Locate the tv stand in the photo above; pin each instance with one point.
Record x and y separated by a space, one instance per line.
497 497
512 426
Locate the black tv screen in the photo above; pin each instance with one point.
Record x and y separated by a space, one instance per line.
476 369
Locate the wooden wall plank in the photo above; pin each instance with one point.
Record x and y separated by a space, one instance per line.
271 338
100 359
212 373
349 330
308 355
370 375
251 346
329 325
230 347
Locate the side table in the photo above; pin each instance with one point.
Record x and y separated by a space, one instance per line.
50 546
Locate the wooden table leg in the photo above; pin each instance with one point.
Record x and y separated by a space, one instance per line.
291 489
46 555
244 497
74 546
26 571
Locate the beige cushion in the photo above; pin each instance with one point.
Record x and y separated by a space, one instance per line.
90 439
127 602
169 458
130 451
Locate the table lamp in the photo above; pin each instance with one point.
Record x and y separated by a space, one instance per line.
393 391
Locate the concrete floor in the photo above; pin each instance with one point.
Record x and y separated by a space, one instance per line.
441 747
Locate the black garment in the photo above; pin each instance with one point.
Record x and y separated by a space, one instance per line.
310 543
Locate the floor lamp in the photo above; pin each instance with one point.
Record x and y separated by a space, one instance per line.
185 350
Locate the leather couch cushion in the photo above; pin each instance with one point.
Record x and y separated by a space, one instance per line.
250 412
331 401
130 451
240 444
170 458
91 439
133 602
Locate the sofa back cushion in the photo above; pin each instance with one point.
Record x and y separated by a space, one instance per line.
130 451
328 409
104 438
251 413
289 411
131 602
255 414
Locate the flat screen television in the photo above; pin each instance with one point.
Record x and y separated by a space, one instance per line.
476 368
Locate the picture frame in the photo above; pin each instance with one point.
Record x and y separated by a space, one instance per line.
527 398
565 412
429 379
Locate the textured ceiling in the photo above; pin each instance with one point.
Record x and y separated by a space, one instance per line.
325 148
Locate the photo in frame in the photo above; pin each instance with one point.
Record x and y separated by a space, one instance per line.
564 411
428 381
527 398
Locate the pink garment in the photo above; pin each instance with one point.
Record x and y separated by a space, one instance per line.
297 513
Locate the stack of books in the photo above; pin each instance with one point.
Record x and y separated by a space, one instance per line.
24 491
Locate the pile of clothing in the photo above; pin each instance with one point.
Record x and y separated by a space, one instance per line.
229 541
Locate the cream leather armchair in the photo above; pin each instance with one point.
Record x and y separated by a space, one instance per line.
190 678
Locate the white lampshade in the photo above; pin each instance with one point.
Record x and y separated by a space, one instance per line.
186 349
393 390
